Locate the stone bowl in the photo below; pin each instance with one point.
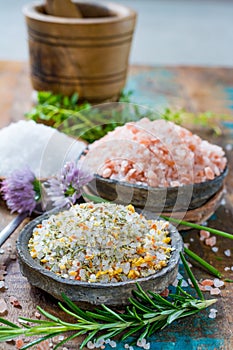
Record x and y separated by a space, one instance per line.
87 294
156 199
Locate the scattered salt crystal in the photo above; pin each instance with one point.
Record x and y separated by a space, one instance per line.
147 346
212 315
90 345
207 282
19 343
218 283
231 268
227 268
184 283
179 276
165 293
215 249
2 251
208 288
227 252
204 234
43 148
37 315
3 307
215 291
191 239
213 310
211 241
61 337
223 202
2 285
228 147
113 344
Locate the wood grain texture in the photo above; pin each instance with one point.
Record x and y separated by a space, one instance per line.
88 56
192 88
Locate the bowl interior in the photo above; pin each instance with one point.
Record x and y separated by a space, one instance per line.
92 293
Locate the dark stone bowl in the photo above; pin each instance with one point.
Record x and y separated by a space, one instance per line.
85 293
157 199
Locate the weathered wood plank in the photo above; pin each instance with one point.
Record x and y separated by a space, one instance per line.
197 89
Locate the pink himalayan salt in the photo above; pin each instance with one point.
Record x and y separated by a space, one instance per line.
207 282
156 153
204 234
211 241
19 343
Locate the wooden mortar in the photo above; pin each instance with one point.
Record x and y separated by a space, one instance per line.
87 55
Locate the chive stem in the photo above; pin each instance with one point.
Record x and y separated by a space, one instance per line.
198 227
203 263
191 276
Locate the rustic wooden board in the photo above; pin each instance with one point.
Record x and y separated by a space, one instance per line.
197 89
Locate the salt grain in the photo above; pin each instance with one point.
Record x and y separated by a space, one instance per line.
228 147
215 291
218 283
227 268
227 252
211 241
204 234
215 249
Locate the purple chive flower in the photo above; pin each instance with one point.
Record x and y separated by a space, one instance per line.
21 190
66 188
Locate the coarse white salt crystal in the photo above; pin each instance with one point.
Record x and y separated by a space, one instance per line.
223 202
208 288
228 147
227 252
213 310
218 283
90 345
184 283
215 291
227 268
191 239
212 315
44 149
231 268
215 249
113 344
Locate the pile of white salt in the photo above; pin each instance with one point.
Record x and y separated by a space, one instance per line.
42 148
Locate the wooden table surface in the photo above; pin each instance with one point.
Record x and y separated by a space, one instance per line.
196 89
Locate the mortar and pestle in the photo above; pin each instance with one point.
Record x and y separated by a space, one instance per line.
80 46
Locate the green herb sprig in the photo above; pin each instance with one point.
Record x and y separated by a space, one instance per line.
147 313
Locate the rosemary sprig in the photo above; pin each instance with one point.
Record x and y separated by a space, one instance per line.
147 313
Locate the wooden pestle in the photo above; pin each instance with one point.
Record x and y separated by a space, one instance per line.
62 8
